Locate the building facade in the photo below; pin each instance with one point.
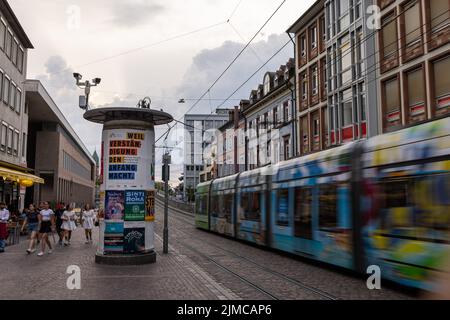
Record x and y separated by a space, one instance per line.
14 46
195 129
351 71
413 48
270 119
311 79
57 153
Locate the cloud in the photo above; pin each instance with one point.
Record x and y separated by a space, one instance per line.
210 63
132 13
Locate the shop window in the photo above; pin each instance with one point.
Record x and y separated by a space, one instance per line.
303 213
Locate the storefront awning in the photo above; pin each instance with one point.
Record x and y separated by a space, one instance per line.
14 175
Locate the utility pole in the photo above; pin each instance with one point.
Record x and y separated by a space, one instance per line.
166 177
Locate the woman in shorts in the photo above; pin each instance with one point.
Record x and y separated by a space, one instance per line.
32 224
68 224
46 226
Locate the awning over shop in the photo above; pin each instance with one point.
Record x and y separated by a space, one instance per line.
18 176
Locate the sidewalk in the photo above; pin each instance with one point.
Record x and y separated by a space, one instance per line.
174 276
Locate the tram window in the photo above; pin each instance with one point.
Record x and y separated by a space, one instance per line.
328 206
282 211
215 206
227 206
396 193
303 213
251 206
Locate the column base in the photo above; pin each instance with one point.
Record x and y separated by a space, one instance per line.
126 259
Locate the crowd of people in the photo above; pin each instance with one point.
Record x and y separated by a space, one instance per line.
43 222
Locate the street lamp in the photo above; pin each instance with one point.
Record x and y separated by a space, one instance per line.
84 100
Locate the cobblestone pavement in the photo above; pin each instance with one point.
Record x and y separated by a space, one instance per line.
200 266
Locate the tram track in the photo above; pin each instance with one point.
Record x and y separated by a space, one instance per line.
292 281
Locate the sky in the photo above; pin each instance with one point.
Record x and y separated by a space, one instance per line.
166 50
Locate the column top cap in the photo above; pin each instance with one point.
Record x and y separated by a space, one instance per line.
104 115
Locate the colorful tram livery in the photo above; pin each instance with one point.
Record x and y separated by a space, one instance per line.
384 201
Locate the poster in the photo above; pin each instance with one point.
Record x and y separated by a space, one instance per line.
114 237
134 240
115 208
135 205
150 206
128 159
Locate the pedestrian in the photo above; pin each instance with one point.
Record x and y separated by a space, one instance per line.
87 218
32 224
46 226
60 208
4 217
68 224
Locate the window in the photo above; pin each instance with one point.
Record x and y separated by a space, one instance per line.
283 208
10 139
287 147
316 126
442 82
313 33
328 207
3 136
303 45
303 213
275 116
345 57
362 100
267 85
16 143
439 15
12 96
9 41
24 145
251 206
304 133
2 34
412 24
287 111
416 89
347 108
227 206
1 84
15 49
315 81
359 54
20 57
392 99
389 35
344 16
6 88
304 87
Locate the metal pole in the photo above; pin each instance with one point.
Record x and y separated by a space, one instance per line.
166 205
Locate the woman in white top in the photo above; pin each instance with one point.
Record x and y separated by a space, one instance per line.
68 225
46 219
88 219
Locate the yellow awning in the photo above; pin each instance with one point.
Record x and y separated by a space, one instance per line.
14 175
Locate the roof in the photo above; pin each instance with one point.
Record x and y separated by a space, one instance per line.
14 23
312 12
49 111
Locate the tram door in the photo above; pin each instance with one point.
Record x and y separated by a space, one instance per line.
303 226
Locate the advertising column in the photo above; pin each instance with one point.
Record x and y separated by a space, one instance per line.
127 191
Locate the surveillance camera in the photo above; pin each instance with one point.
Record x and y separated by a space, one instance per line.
97 80
77 76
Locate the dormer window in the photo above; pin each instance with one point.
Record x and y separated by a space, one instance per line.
275 81
266 84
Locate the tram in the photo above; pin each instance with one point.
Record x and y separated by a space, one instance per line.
384 201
